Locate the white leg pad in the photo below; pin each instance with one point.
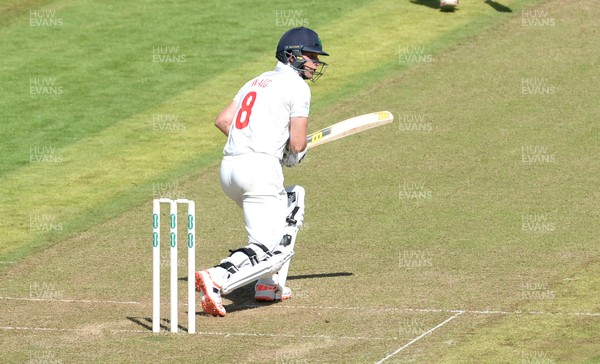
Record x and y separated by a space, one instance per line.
291 228
275 268
250 273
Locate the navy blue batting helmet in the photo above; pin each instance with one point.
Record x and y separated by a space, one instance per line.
293 43
302 39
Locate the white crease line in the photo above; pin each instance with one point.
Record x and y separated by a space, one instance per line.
420 337
25 328
430 310
205 333
298 336
355 308
68 300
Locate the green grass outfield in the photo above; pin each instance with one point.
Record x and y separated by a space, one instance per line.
463 232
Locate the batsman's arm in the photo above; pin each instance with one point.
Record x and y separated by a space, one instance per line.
295 149
298 131
225 118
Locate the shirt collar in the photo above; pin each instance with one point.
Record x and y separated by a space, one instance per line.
285 68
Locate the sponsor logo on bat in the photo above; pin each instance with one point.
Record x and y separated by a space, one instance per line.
383 115
316 136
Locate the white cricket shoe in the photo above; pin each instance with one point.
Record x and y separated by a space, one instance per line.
270 293
211 294
448 5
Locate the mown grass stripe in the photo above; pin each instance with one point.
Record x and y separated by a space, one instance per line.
96 170
95 158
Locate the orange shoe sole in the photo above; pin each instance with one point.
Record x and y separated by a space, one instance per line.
198 289
208 305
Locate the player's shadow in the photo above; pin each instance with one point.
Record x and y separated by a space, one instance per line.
146 323
320 275
243 298
434 4
498 7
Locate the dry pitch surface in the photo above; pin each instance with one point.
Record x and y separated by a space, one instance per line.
465 232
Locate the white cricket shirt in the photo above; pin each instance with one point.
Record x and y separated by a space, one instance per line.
265 106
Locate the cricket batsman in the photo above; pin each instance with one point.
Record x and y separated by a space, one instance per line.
266 126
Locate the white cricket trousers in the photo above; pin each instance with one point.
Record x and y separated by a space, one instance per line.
255 182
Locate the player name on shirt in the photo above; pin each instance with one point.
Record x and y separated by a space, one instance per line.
261 82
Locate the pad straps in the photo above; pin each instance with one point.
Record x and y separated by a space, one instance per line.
252 256
230 267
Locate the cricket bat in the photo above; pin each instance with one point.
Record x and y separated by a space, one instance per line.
348 127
